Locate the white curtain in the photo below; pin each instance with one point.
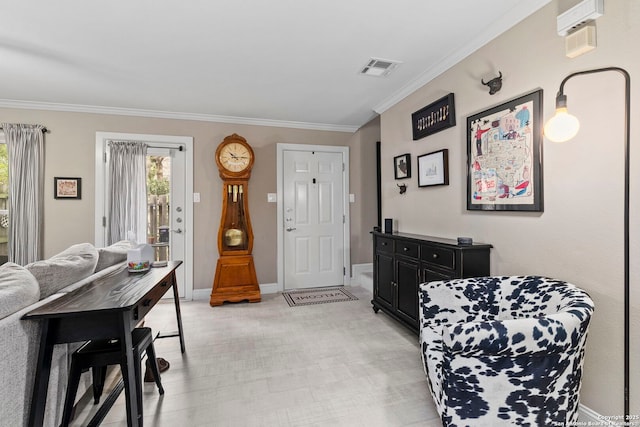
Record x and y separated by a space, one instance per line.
127 191
25 149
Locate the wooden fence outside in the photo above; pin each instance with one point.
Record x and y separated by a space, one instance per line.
158 225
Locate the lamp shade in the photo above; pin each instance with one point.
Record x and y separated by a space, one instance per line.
562 126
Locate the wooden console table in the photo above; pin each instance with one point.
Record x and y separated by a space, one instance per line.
107 308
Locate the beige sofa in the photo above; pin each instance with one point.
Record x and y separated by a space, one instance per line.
21 290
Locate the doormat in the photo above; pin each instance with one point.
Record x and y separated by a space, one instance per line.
317 296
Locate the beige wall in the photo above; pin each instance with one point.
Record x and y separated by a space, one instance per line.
70 151
363 185
579 237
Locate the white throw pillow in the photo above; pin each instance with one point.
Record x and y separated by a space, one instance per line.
18 289
113 254
73 264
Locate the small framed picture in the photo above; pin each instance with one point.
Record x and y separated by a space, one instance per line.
433 168
435 117
402 166
67 188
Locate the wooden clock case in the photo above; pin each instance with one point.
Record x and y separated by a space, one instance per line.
235 279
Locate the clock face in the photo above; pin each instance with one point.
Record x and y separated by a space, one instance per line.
234 157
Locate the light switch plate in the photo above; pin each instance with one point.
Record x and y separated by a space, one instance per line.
352 198
272 197
196 197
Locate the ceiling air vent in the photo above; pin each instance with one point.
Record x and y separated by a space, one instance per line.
379 67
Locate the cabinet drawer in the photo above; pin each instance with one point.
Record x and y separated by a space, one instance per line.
439 256
150 299
408 249
384 245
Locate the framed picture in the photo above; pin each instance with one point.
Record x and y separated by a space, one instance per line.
504 159
437 116
402 166
67 188
433 168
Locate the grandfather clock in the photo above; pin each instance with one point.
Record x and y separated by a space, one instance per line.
235 278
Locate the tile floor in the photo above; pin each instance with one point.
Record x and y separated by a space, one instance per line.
268 364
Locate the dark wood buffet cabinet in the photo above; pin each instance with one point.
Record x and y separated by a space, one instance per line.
402 261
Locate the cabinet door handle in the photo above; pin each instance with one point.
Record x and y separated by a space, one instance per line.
384 243
406 249
434 256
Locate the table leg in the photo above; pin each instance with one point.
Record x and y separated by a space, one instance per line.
128 373
176 299
41 381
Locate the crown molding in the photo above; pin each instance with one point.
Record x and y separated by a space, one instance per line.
93 109
505 22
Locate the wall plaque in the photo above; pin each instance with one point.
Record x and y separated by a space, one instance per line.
434 117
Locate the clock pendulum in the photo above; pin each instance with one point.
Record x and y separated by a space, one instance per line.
235 278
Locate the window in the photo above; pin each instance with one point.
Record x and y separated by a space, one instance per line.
158 202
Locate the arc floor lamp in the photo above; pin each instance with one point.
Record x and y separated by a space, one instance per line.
562 127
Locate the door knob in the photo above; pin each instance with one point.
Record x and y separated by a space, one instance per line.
290 228
179 230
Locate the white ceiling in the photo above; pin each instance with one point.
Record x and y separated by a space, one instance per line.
276 62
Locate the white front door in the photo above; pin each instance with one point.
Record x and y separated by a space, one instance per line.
170 214
314 219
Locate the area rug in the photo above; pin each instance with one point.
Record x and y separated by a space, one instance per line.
317 296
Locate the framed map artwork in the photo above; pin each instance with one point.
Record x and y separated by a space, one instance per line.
504 156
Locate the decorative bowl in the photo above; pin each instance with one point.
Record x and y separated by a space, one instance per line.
138 266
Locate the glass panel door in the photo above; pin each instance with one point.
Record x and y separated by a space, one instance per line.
166 225
159 203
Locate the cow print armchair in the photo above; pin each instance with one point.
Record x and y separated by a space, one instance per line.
504 350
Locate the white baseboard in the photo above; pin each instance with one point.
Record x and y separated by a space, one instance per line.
269 288
205 294
201 294
589 417
362 275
